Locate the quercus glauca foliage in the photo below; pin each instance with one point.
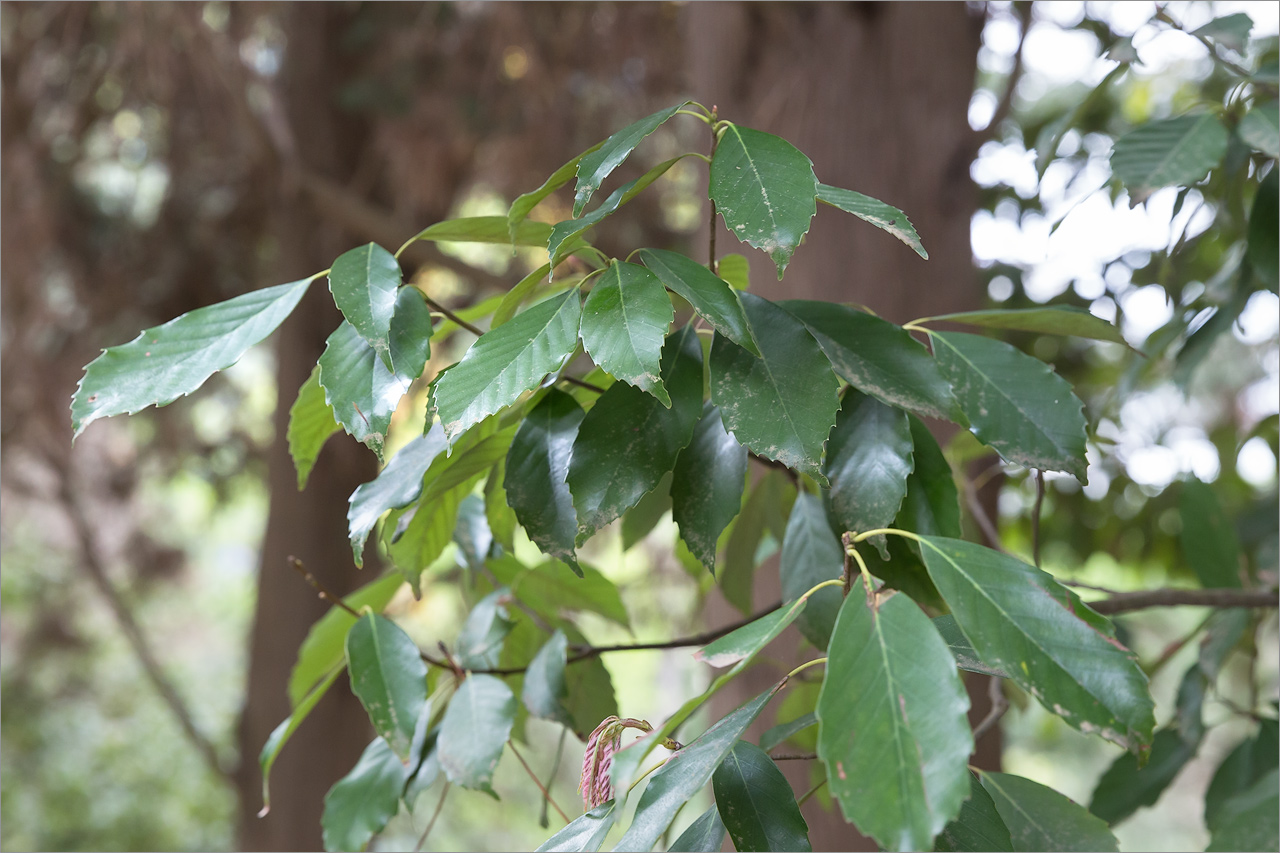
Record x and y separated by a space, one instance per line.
592 383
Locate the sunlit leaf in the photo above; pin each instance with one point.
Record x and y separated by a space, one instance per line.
743 643
486 229
365 283
624 322
359 389
876 212
563 237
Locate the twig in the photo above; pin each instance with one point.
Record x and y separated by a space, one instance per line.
573 380
794 756
982 519
1082 585
545 793
436 306
711 229
1126 602
439 807
1175 647
325 594
1035 519
999 705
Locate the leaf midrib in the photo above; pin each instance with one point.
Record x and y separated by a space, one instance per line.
901 724
764 192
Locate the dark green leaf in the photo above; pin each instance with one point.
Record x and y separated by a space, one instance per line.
629 439
1264 226
707 485
868 462
704 835
553 587
1260 128
876 212
310 425
358 387
644 516
507 361
784 731
486 229
896 758
1250 820
1208 537
389 677
743 643
1049 320
756 803
878 358
486 626
360 804
932 504
1229 30
365 283
537 466
961 648
1016 404
598 163
399 484
528 201
410 334
709 295
561 242
978 826
1125 787
811 554
544 692
624 322
280 734
1041 819
172 360
1248 763
1020 620
474 731
1170 152
764 188
583 833
783 404
684 774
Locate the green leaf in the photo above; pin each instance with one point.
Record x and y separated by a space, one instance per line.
280 734
743 643
783 404
544 691
1208 537
638 521
932 504
360 804
707 485
960 647
487 625
709 295
365 283
361 391
1049 320
553 587
896 758
561 242
624 322
878 358
978 826
397 485
811 554
1016 404
537 466
1020 620
756 803
704 835
486 229
1241 770
170 361
310 425
422 532
1264 225
1250 820
684 774
523 204
516 296
591 696
1171 152
735 269
1041 819
629 440
785 731
598 163
410 333
876 212
764 188
772 493
1125 787
507 361
869 458
389 677
1229 31
501 517
471 533
324 647
1260 128
585 832
474 731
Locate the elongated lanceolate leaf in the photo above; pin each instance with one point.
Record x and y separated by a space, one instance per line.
1020 620
389 678
364 283
537 466
765 189
709 295
756 802
1260 128
172 360
474 731
1016 404
707 486
869 458
1050 320
1208 536
629 439
1251 819
310 425
892 729
1039 818
358 387
811 554
685 772
1171 152
704 835
487 625
624 322
507 361
486 229
876 212
544 691
516 296
585 832
978 827
743 643
878 358
280 734
399 484
598 163
783 404
528 201
360 804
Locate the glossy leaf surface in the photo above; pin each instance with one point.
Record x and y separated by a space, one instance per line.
537 469
359 389
365 283
709 295
811 554
756 803
474 731
565 235
1041 819
876 212
598 163
585 832
624 323
389 677
707 485
397 485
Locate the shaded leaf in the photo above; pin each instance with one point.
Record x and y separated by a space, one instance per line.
1048 320
811 554
360 804
585 832
544 692
471 533
932 504
709 295
365 283
764 189
537 467
1229 30
876 212
784 731
1208 537
743 643
422 532
280 734
501 517
310 425
487 625
1250 820
397 485
516 296
771 493
704 835
598 163
1124 787
1170 152
389 677
978 827
961 648
638 521
474 731
1041 819
707 485
172 360
591 695
1260 128
528 201
1241 770
553 587
1264 226
756 803
624 322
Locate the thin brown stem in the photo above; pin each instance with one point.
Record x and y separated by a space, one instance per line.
794 756
573 380
545 793
434 815
1127 602
999 706
981 518
436 306
1035 519
551 777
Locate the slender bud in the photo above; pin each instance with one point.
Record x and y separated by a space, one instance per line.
595 786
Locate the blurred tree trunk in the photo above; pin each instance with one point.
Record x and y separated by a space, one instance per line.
877 94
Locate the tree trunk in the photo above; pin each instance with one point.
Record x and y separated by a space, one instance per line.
877 95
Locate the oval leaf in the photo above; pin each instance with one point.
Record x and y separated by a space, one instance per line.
1172 152
756 802
1041 819
486 229
544 691
389 677
364 283
624 322
978 826
358 387
537 466
709 294
474 731
599 162
811 554
360 804
707 485
876 212
1050 320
